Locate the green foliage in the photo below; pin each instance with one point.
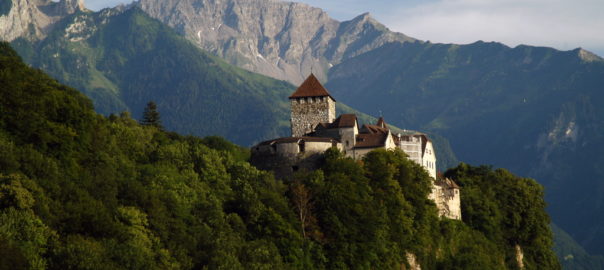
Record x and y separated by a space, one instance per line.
23 229
114 194
151 116
529 109
509 210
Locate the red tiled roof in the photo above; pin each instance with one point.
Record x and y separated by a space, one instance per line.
374 129
345 120
311 87
370 140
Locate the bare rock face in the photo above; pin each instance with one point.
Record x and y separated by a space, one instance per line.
412 260
519 257
283 40
33 19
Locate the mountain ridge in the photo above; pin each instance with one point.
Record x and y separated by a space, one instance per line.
119 58
284 40
533 110
34 19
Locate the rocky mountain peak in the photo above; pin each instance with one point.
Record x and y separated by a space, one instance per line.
588 56
33 19
284 40
363 18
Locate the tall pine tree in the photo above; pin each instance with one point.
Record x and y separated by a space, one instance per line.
151 116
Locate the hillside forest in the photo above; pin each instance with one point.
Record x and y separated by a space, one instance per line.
79 190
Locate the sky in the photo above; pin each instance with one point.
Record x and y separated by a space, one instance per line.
562 24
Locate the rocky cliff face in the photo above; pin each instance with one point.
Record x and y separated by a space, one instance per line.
33 19
280 39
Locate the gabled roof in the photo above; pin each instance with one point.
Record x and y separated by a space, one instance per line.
371 140
311 87
374 129
344 121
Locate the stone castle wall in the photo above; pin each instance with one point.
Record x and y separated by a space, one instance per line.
306 113
447 200
284 159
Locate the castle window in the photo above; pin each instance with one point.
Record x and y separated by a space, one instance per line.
347 143
302 146
274 148
295 168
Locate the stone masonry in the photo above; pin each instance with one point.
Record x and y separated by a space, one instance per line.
306 113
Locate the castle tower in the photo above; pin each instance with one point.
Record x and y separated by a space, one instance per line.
311 104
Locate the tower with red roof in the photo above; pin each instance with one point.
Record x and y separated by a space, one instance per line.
311 105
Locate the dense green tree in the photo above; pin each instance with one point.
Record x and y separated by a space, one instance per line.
151 116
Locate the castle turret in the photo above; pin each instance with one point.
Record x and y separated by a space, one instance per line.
311 105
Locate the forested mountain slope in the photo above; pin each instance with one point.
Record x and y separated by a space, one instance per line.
537 111
123 59
82 191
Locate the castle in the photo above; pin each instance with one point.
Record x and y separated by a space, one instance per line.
315 128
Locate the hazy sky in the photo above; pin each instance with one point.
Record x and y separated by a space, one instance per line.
562 24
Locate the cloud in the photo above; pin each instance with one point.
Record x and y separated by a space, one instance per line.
557 23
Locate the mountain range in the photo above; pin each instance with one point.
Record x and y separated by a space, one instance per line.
534 110
283 40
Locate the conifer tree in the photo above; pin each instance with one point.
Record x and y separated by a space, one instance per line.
151 116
